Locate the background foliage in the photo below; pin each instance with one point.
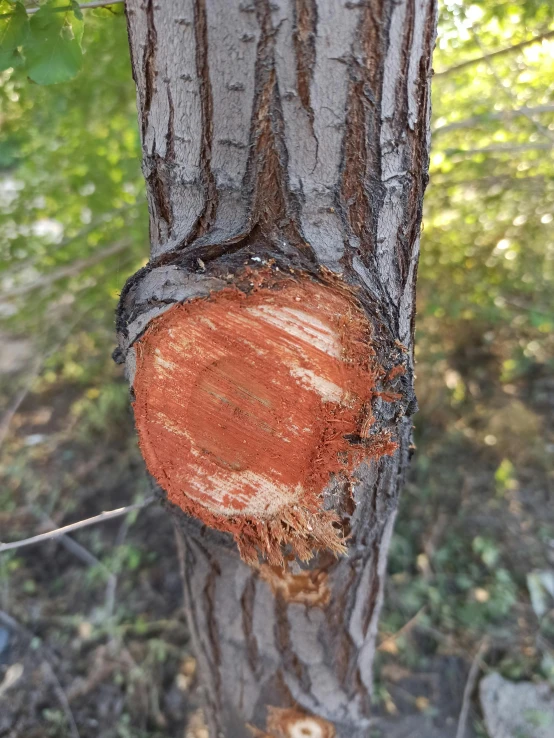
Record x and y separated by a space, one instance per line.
476 528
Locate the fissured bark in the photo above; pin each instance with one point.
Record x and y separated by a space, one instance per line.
285 151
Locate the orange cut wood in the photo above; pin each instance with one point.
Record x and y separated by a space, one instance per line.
246 406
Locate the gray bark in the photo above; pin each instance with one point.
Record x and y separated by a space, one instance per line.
296 130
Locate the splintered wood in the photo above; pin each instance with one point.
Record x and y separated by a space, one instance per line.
248 404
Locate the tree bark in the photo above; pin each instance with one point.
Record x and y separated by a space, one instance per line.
285 143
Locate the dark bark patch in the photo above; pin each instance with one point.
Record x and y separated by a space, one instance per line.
247 607
354 194
149 63
308 587
170 134
207 216
291 662
362 191
159 192
305 32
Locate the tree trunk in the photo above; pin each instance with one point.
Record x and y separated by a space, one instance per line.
269 339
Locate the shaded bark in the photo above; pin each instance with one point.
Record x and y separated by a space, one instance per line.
292 133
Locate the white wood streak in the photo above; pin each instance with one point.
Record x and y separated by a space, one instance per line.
328 391
301 325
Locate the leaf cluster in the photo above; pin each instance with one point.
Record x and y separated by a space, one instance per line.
47 44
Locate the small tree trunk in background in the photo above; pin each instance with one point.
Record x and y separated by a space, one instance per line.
285 151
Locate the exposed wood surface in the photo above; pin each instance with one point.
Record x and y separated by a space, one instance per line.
291 136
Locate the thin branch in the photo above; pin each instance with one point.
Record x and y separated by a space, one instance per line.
529 308
83 6
82 553
103 516
477 120
403 630
96 224
70 270
12 624
509 94
533 179
470 686
493 54
501 148
111 586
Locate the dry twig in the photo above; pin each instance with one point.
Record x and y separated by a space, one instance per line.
492 54
403 630
45 280
106 515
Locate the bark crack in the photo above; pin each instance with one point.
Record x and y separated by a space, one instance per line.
170 134
207 216
362 192
274 209
305 33
234 98
247 606
291 662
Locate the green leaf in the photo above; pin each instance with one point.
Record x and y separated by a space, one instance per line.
14 28
10 59
53 50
